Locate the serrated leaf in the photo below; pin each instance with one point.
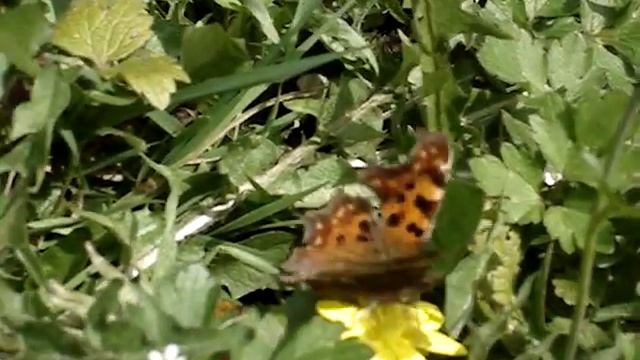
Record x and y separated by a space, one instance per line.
626 38
268 330
564 225
188 296
516 61
615 71
49 97
103 30
452 19
569 227
568 61
599 115
22 31
552 139
584 167
519 200
590 336
152 75
241 278
327 171
249 157
520 131
522 164
626 175
339 36
567 290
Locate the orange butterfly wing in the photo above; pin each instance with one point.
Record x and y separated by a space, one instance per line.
347 249
410 194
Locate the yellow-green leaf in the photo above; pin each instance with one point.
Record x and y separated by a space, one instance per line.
103 30
152 75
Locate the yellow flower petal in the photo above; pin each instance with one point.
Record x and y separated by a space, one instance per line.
394 349
395 331
439 343
338 312
429 316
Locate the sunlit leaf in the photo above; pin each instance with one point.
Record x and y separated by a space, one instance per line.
519 200
152 75
103 30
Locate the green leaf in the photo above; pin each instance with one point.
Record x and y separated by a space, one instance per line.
519 201
264 211
569 227
269 330
211 128
450 19
103 30
224 54
630 311
452 232
590 336
625 176
22 30
258 75
615 70
552 139
328 172
568 61
13 221
249 157
584 167
241 278
259 10
188 296
339 36
567 290
319 339
50 338
557 8
49 97
563 224
152 75
626 38
522 164
520 132
516 61
460 288
596 114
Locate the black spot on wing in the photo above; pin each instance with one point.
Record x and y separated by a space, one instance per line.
362 238
415 230
425 206
364 226
394 219
340 239
436 175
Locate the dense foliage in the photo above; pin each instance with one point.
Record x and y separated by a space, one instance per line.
157 156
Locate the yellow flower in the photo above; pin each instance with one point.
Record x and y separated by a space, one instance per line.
394 331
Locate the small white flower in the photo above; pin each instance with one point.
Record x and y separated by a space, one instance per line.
551 176
171 352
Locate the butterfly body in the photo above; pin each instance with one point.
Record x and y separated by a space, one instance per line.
349 252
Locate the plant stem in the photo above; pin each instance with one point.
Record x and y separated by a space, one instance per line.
599 214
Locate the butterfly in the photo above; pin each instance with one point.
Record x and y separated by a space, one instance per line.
352 252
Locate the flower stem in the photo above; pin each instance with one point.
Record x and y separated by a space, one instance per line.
600 213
